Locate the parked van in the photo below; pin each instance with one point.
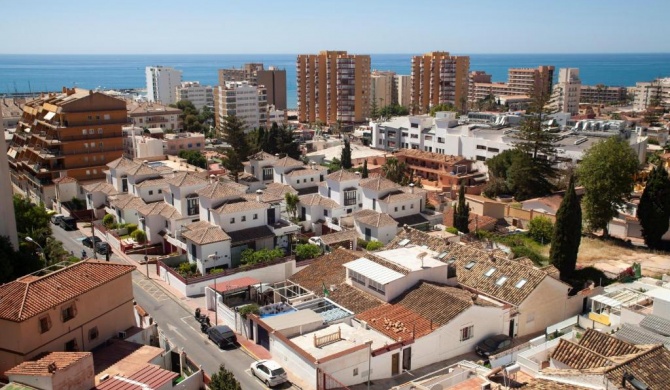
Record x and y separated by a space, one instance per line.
68 223
56 218
221 335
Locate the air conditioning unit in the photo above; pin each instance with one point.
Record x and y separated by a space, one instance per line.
485 386
122 335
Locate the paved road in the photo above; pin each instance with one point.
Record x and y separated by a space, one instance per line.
175 321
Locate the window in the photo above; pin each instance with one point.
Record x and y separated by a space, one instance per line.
520 283
481 147
91 131
192 204
255 216
85 158
356 277
95 158
494 150
160 191
45 323
356 371
467 332
490 272
349 197
396 209
71 346
68 312
311 179
106 117
469 265
403 207
501 280
93 333
86 145
411 206
95 171
232 220
193 250
88 172
376 287
151 192
244 218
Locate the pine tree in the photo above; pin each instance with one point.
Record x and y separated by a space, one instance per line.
346 155
364 172
462 212
239 150
567 233
224 380
654 209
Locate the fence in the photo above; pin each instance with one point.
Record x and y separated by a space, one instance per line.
526 215
327 382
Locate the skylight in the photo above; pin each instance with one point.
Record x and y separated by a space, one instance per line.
404 242
442 255
501 280
490 272
520 283
470 265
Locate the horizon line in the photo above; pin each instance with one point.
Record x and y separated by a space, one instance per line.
254 54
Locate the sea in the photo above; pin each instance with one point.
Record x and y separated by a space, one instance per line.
37 73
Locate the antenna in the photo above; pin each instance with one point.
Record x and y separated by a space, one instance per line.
420 256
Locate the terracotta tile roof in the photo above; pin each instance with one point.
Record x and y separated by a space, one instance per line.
378 184
160 181
126 202
187 179
142 169
263 156
337 237
303 172
328 270
202 233
578 357
239 205
288 162
65 180
159 208
342 175
651 367
273 193
318 200
147 377
606 345
223 189
546 384
40 367
170 212
20 300
399 196
436 157
122 163
234 284
100 186
473 263
151 108
418 311
374 218
247 178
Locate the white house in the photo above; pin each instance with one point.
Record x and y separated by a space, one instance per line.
374 225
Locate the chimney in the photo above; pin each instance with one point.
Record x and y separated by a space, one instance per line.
145 162
211 179
259 192
411 188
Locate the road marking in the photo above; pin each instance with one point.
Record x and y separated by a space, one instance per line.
174 329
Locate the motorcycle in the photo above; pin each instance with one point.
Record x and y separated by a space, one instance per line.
205 324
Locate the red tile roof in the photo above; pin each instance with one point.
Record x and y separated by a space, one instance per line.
148 377
234 284
57 361
26 298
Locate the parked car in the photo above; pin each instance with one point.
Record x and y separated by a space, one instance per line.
316 240
55 219
221 335
68 223
492 345
103 248
269 372
91 241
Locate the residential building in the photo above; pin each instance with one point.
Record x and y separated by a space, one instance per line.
12 110
240 98
175 143
277 116
199 95
248 73
652 93
73 133
439 78
476 77
403 88
274 81
56 370
162 82
442 171
75 308
382 88
333 86
137 145
565 97
521 82
603 94
8 228
154 115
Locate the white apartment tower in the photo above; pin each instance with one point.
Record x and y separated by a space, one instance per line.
162 83
566 92
240 98
8 227
199 95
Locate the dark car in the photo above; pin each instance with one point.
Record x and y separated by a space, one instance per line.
492 345
91 241
68 223
103 248
221 335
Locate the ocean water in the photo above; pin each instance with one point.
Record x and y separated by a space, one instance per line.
25 73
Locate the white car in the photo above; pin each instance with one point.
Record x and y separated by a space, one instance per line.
269 372
316 240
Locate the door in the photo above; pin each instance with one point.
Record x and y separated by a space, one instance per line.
585 305
511 328
302 213
271 216
263 338
395 364
407 358
368 234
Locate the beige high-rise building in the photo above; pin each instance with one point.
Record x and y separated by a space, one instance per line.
439 78
527 81
242 99
403 87
565 97
8 227
248 73
274 81
382 88
333 86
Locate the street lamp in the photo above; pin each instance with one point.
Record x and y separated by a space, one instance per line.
43 255
214 258
146 256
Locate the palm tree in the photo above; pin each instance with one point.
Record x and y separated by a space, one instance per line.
394 170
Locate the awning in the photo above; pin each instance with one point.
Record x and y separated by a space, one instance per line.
235 284
607 301
49 116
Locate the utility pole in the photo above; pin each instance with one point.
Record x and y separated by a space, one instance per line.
95 256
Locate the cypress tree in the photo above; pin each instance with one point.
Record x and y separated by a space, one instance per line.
654 209
346 155
462 212
364 173
567 233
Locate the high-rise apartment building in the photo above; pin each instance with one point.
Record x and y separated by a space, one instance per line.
476 77
74 133
162 83
8 225
565 97
530 81
248 73
333 86
274 81
242 99
199 95
439 78
602 94
403 87
382 88
653 93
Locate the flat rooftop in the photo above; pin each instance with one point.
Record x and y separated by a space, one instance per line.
351 337
410 258
124 358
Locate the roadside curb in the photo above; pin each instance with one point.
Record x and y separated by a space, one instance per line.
248 352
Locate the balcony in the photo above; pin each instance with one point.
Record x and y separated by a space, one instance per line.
283 227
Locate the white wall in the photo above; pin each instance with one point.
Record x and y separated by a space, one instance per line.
342 368
383 234
302 181
221 248
546 305
284 355
224 220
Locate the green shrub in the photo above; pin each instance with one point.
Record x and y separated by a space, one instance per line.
251 308
541 229
483 234
452 230
187 269
131 227
108 220
139 236
362 243
251 257
523 251
373 246
307 251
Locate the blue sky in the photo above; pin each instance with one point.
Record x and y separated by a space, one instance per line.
358 26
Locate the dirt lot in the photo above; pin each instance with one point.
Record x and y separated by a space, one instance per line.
614 259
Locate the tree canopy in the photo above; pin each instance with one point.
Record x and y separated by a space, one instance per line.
193 119
194 157
224 380
233 133
394 170
567 233
607 174
392 110
462 212
654 209
442 107
346 155
275 140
